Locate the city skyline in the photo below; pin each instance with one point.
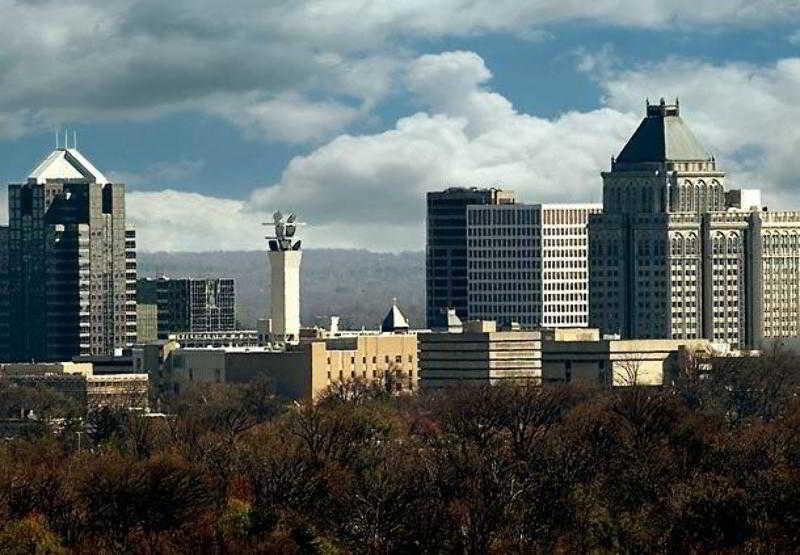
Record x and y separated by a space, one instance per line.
527 88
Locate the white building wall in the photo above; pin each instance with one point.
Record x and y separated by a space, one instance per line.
285 294
528 264
565 272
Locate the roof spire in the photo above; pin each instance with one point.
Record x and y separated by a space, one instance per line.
395 321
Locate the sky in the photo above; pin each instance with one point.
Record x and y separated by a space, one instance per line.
347 112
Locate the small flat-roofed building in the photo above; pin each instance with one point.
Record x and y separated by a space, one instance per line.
614 362
80 381
122 391
479 355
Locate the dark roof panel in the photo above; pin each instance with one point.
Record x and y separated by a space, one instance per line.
662 136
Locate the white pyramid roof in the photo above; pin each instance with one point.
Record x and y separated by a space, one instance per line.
66 163
394 320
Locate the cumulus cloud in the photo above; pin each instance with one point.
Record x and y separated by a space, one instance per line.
368 190
159 174
87 60
288 117
467 136
172 220
111 61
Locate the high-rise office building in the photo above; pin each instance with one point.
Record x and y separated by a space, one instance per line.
190 304
71 263
527 264
446 249
675 255
5 301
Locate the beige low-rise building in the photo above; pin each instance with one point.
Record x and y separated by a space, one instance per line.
479 354
79 381
304 371
119 391
615 362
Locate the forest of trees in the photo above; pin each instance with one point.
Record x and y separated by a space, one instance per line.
711 463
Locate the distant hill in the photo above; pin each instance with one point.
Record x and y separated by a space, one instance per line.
356 285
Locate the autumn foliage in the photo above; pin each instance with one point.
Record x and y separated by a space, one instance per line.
711 463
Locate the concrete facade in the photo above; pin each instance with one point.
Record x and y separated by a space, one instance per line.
528 264
479 355
232 338
81 382
146 323
614 362
285 294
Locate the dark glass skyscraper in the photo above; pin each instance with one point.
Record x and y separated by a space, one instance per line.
446 249
71 263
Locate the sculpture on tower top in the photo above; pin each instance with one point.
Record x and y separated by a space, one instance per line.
285 229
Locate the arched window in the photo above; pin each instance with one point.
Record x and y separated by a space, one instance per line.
718 194
718 244
703 203
674 198
691 244
733 244
688 199
677 245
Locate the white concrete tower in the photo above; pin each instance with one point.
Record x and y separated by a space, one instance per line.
284 259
